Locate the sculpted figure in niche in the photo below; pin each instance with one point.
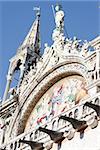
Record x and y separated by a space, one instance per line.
46 50
12 92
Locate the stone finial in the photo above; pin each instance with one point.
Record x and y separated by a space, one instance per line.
37 9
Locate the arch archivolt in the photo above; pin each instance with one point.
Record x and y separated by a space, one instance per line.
39 90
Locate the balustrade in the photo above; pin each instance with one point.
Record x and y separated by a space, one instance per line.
95 75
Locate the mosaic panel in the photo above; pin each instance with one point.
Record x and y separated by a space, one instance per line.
62 96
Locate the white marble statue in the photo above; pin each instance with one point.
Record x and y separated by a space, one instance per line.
59 17
84 49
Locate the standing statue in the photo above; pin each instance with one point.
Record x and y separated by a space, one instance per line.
58 35
59 18
75 45
84 49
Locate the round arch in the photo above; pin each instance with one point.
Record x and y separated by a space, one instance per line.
57 73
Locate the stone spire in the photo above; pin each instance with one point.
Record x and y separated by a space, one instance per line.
26 55
32 40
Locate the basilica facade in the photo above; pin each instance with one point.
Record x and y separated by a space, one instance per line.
55 104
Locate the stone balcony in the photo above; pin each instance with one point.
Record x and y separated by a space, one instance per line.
79 112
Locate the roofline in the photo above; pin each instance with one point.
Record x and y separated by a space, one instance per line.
95 41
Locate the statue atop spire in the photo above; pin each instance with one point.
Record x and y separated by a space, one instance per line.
59 18
59 21
58 33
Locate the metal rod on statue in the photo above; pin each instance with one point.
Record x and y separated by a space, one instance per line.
53 10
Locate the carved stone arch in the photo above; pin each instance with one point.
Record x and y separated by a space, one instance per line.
42 86
31 103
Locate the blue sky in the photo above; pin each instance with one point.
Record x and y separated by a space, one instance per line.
16 17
